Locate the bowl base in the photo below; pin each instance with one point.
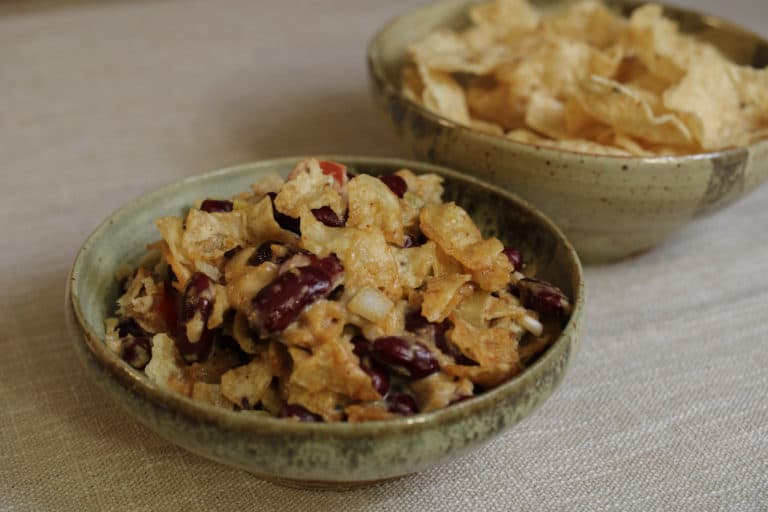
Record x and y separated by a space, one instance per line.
324 485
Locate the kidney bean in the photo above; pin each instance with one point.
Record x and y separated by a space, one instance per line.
413 241
265 253
402 403
137 351
546 299
328 217
281 301
216 205
362 346
300 413
514 256
284 221
395 183
130 327
379 378
412 359
416 323
166 305
197 301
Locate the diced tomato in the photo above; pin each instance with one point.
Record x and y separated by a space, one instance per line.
336 170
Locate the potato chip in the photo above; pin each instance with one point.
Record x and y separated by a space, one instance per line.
333 367
244 287
261 225
454 231
620 105
207 236
659 45
415 263
209 394
321 323
505 18
487 347
357 413
473 51
373 205
587 21
166 368
440 390
421 189
269 183
443 295
245 385
709 94
309 188
589 81
172 230
139 299
327 404
492 101
485 376
547 115
443 94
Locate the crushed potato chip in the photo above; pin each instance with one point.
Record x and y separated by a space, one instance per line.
373 205
586 79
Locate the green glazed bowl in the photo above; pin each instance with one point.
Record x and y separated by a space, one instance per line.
609 207
315 454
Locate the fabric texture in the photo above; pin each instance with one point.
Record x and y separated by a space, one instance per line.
665 406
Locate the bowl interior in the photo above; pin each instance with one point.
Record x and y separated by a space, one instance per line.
123 237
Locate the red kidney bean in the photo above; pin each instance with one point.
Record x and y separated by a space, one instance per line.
130 327
413 241
216 205
362 346
412 359
265 253
328 217
167 306
416 323
379 378
514 256
198 300
546 299
281 301
137 351
402 403
330 265
300 413
284 221
395 183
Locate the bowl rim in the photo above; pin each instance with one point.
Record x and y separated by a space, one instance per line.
388 88
136 382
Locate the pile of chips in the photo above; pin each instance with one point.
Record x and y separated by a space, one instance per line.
586 79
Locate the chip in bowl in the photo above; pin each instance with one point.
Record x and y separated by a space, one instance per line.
587 79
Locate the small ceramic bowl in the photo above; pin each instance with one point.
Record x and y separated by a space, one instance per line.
609 207
316 454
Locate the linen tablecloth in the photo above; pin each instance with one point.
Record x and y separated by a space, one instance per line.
664 408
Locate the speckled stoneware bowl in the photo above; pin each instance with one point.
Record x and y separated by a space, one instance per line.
311 454
609 207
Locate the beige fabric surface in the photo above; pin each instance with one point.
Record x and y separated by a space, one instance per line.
665 406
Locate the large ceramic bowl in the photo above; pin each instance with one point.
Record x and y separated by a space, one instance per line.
609 207
312 454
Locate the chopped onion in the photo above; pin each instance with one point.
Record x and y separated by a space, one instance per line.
531 325
371 304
